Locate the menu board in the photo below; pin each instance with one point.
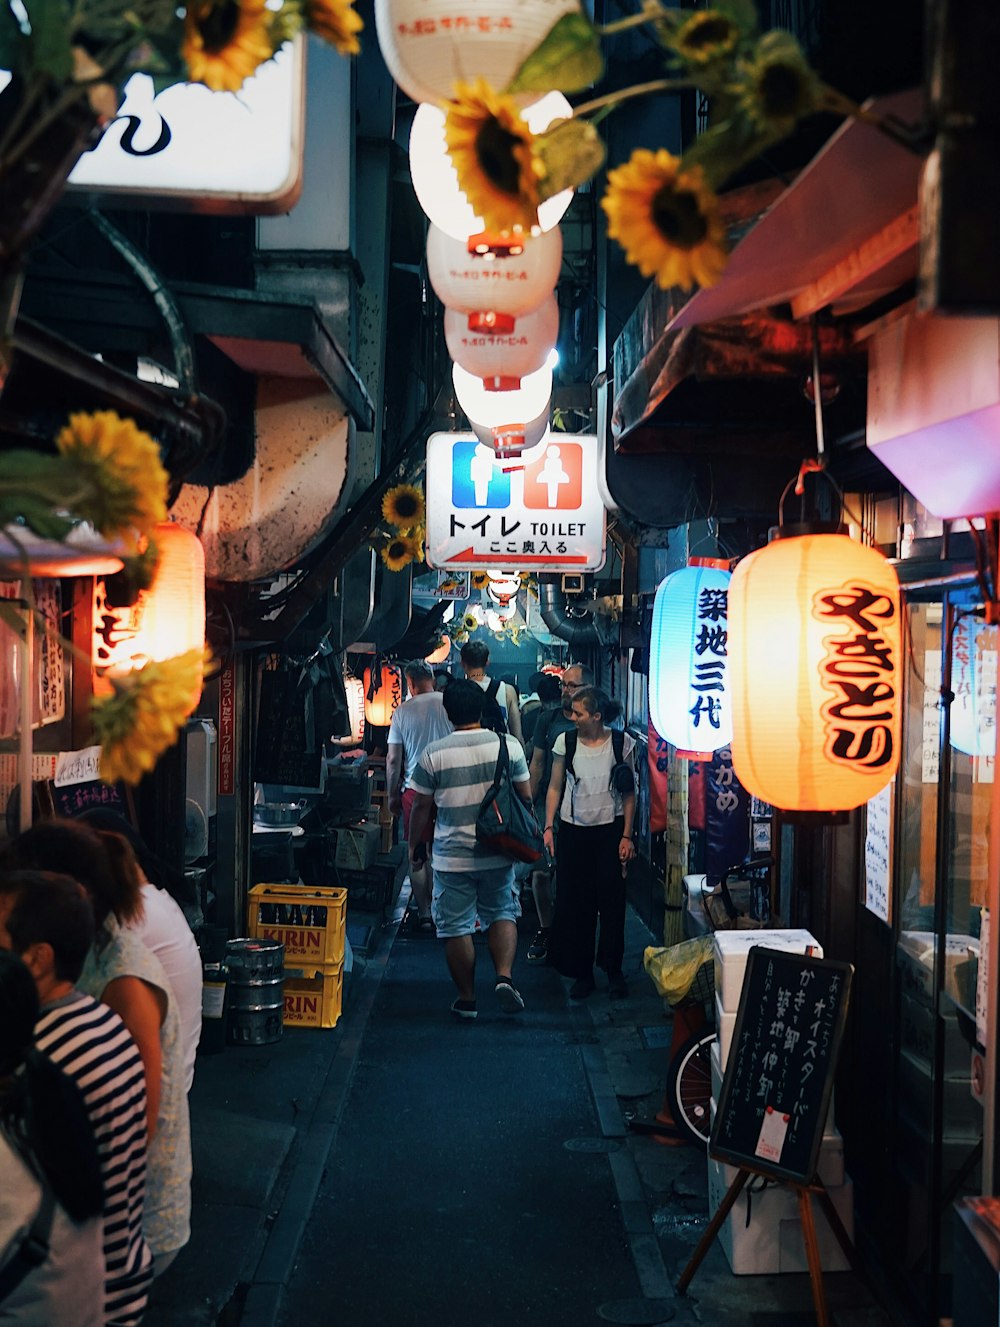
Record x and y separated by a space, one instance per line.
779 1075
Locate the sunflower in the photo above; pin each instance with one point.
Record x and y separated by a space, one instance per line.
143 716
491 150
120 480
403 506
399 552
480 580
336 22
666 219
777 87
470 622
705 37
460 637
225 41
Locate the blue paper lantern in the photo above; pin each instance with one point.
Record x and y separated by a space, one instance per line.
689 701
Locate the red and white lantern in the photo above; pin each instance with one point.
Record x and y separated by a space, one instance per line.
503 359
493 292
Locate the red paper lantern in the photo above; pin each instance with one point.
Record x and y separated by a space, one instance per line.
383 697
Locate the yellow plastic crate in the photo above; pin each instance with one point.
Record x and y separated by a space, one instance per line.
314 1002
310 922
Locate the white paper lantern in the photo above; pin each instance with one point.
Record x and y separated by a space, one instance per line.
504 359
493 292
429 45
435 181
503 587
508 421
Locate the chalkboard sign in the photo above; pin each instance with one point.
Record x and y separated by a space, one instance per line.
779 1074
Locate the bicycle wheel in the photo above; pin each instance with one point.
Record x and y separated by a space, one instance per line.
689 1087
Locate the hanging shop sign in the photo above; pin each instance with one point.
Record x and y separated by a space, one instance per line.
191 149
974 685
542 512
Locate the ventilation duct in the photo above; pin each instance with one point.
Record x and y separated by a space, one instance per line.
569 624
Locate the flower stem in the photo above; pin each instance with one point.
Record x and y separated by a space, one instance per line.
613 99
833 100
652 12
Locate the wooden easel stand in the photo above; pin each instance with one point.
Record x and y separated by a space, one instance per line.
805 1193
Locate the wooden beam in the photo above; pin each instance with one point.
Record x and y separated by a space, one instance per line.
893 240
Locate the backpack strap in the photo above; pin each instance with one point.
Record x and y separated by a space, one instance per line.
618 745
571 737
493 690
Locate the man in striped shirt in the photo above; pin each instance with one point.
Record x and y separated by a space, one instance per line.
47 920
454 774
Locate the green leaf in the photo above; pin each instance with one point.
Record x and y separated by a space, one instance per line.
13 42
12 616
722 150
742 12
571 153
51 52
568 59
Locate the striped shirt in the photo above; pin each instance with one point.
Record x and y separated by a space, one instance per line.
92 1046
458 770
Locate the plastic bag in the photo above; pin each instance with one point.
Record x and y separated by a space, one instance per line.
673 969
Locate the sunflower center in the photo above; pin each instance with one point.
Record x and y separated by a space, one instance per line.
495 152
218 25
704 33
677 217
405 506
782 91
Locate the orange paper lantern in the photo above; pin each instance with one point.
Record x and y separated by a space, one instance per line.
441 653
815 672
166 620
384 696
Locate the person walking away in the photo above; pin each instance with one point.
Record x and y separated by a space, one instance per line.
122 973
501 696
417 722
594 819
47 921
50 1179
554 719
453 775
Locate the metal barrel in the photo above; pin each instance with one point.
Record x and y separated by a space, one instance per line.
256 991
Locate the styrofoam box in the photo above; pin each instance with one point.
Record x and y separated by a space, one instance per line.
915 955
716 1055
771 1242
725 1025
732 953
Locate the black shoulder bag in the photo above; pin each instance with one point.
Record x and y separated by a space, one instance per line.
505 824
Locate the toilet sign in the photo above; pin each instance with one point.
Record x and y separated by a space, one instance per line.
543 513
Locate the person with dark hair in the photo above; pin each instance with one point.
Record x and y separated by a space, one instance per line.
415 723
50 1179
164 929
48 922
453 775
128 978
501 713
594 809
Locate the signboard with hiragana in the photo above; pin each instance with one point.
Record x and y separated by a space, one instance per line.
544 513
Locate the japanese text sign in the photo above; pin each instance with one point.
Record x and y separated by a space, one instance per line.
545 513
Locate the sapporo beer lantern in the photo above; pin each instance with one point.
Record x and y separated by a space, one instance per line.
383 693
815 669
689 701
354 689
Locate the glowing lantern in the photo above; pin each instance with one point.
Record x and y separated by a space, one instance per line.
439 655
166 620
503 588
428 45
688 688
354 689
435 181
974 685
815 672
503 359
507 421
493 291
383 695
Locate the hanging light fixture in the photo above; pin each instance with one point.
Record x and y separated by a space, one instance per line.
973 719
440 654
502 359
383 694
689 701
815 670
354 689
503 587
493 291
428 45
166 620
510 422
435 181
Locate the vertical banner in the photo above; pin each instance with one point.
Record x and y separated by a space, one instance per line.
878 855
727 818
657 755
227 728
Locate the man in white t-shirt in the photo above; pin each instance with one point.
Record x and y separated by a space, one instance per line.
475 661
415 723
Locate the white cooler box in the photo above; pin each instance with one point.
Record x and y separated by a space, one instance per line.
732 953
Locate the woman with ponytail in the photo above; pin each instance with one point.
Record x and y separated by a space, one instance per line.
50 1180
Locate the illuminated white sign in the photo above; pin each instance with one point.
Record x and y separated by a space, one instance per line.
190 148
540 513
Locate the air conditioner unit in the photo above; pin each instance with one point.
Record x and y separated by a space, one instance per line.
934 410
202 764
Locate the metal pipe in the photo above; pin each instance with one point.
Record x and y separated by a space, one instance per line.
554 612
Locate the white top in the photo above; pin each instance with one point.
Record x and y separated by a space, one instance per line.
164 930
415 723
588 798
507 700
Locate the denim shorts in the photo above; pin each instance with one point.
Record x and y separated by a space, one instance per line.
462 896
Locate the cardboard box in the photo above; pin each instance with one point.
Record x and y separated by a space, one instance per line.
314 1001
309 921
732 953
358 845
